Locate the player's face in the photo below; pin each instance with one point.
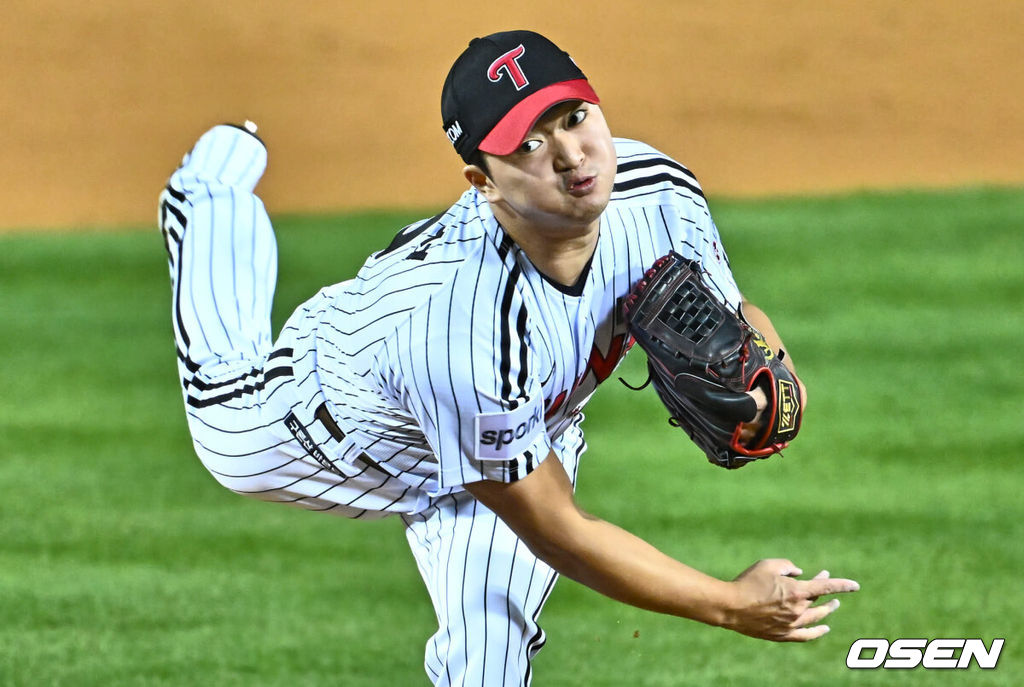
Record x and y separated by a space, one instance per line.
561 176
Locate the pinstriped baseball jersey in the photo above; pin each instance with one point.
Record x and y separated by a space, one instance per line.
451 359
448 359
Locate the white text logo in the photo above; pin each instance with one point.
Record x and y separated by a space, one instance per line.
935 654
454 132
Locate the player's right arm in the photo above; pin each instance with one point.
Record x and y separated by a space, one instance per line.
766 601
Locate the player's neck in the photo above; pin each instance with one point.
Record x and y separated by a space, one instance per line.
561 255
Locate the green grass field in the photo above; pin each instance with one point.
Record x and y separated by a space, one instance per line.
123 563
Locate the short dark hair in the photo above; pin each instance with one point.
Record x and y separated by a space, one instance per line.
477 158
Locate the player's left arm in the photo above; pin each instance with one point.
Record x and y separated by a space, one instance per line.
762 323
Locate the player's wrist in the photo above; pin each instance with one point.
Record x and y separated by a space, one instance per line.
718 604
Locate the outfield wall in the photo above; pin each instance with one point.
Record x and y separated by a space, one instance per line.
99 100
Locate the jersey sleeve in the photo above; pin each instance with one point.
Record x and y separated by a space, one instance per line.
463 367
646 175
706 247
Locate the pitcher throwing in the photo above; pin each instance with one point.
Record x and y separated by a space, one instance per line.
445 383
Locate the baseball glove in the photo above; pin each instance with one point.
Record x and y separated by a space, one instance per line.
703 359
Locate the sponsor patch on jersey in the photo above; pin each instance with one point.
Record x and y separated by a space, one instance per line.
501 436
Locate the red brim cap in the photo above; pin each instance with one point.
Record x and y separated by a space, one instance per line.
508 134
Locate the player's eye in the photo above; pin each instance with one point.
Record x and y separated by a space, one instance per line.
577 116
529 146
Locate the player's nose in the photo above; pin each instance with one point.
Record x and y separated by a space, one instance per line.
569 152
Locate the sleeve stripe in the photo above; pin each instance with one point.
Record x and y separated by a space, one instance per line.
243 391
623 186
654 170
648 163
201 385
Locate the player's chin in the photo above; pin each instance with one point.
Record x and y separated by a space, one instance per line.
585 207
595 199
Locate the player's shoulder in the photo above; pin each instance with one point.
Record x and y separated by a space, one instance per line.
461 227
461 245
645 174
428 249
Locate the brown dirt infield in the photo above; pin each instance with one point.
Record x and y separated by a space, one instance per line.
98 100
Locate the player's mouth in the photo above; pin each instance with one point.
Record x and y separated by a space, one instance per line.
581 186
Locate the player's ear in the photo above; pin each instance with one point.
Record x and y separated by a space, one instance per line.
476 177
479 180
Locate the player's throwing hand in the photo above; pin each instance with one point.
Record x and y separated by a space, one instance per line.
770 603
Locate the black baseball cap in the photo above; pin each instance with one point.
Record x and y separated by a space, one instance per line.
500 86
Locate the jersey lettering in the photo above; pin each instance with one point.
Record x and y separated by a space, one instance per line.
300 432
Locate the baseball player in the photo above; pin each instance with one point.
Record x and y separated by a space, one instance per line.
444 384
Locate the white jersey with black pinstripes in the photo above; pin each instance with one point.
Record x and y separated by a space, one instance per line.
448 359
451 359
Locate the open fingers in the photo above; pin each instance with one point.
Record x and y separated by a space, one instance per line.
816 614
806 626
820 586
806 634
823 575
